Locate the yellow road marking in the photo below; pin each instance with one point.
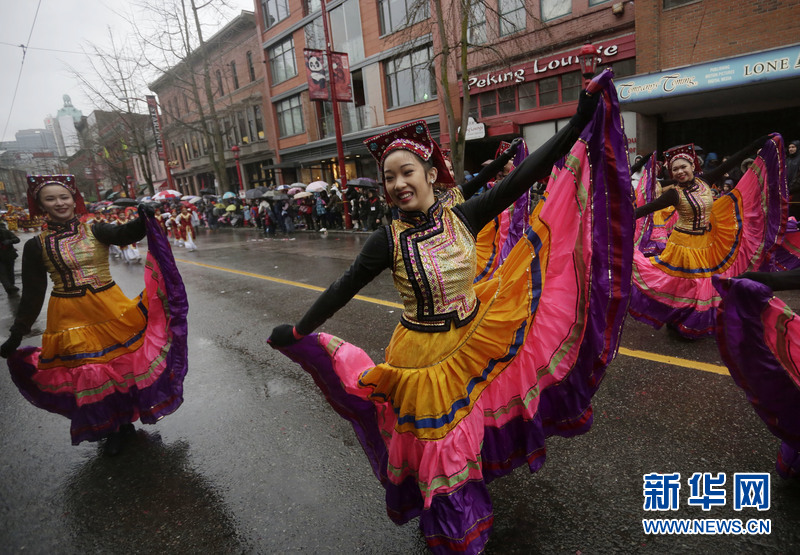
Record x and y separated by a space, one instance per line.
645 355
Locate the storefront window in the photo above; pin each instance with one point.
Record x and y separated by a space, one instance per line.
527 95
571 85
548 91
507 100
488 104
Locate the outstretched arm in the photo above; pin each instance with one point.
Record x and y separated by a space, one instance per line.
670 198
490 170
34 289
371 261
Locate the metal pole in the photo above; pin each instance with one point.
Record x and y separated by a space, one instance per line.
337 123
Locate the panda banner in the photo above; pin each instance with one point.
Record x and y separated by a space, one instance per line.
317 74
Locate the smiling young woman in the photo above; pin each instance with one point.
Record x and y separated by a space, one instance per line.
106 360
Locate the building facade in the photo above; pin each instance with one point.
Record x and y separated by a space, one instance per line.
237 80
714 73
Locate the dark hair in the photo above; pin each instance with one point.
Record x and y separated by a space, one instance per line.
427 165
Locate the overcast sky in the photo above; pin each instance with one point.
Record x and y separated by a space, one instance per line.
57 34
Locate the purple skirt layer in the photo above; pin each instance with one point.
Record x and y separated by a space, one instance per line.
756 340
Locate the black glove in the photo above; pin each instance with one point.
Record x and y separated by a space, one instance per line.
146 211
282 336
587 103
11 345
512 150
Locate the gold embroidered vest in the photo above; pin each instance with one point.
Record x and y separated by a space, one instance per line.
694 208
75 259
433 268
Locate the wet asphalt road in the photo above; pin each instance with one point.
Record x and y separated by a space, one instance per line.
256 462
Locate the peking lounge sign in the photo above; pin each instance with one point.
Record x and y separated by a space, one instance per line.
537 68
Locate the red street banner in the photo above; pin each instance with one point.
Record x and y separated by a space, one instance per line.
341 76
315 71
153 107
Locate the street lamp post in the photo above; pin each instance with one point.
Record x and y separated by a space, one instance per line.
235 150
588 56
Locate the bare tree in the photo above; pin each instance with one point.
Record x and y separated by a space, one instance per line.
177 49
463 34
114 85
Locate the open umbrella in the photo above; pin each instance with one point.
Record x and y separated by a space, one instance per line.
276 195
293 191
365 182
257 192
230 208
281 187
167 194
303 194
195 200
125 202
317 187
189 197
229 195
298 184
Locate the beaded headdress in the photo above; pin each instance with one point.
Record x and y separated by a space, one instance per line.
684 152
414 137
37 182
501 148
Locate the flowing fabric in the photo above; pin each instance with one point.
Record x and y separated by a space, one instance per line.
785 256
759 340
107 360
448 412
746 225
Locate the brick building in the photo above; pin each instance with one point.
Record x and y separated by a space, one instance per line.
237 80
714 72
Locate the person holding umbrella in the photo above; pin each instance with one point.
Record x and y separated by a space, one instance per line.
105 360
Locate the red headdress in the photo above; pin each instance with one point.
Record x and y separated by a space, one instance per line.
37 182
501 148
414 137
684 152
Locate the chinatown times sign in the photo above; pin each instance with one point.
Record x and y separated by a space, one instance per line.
538 67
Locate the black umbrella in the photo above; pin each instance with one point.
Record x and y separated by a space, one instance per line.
125 202
111 195
258 192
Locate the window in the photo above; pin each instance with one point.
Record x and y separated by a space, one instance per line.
251 69
675 3
345 27
571 85
177 108
410 78
315 34
234 76
195 146
548 91
507 100
624 68
527 95
243 132
274 11
312 6
220 90
282 63
396 14
186 102
259 122
476 34
488 104
512 16
251 125
596 2
552 9
290 116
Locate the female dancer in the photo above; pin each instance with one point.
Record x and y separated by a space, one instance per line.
106 360
478 375
184 229
758 336
725 237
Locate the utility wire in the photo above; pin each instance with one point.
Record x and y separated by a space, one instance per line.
21 66
36 48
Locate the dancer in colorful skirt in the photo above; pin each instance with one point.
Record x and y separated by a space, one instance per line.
106 360
184 229
726 237
758 336
477 376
